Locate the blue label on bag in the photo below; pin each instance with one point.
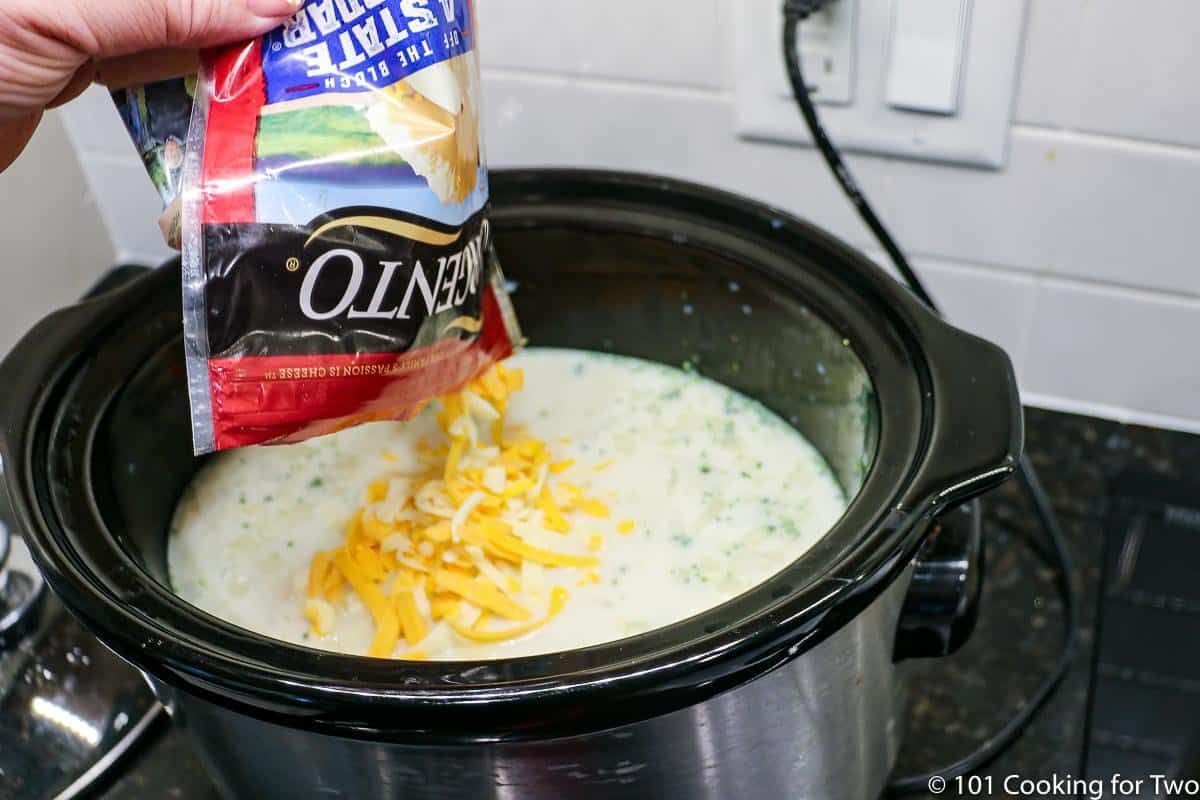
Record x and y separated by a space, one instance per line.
357 45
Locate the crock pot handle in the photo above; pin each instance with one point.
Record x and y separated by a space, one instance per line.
974 441
20 611
115 278
976 431
942 603
54 335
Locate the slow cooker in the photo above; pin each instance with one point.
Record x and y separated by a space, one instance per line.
789 690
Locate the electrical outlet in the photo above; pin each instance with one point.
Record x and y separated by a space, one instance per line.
850 50
826 46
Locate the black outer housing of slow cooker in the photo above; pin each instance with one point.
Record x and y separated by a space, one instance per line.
950 430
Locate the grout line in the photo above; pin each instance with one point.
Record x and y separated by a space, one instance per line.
1024 360
1042 276
1181 297
1097 138
1126 416
920 259
549 78
726 94
1048 277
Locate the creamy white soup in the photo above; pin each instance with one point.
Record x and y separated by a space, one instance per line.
621 496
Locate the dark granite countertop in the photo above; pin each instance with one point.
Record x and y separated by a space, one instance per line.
957 701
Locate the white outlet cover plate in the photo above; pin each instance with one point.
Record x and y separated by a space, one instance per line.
976 135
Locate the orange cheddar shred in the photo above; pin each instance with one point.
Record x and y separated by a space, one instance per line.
466 544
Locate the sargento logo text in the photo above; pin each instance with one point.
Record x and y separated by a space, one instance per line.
396 289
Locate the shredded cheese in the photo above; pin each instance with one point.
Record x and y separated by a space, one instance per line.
495 480
476 632
387 634
593 507
321 616
464 512
460 549
479 407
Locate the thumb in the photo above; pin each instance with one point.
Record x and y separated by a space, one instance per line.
105 28
47 46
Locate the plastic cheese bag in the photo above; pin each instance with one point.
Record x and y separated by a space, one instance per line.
337 259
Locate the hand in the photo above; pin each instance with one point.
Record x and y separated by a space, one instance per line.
51 50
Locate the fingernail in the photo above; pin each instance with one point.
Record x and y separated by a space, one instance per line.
273 8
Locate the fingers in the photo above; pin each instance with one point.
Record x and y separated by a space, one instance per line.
80 81
60 46
273 8
152 65
105 29
14 135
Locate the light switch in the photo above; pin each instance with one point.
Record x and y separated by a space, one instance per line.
925 55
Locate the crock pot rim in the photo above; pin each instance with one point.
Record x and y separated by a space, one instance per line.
701 667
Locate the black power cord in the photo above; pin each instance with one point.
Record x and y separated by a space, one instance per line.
794 11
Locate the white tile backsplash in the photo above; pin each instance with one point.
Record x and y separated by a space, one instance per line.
947 212
995 217
1113 67
1129 213
1084 238
55 245
1138 70
136 215
539 121
1048 62
665 41
1120 348
129 204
